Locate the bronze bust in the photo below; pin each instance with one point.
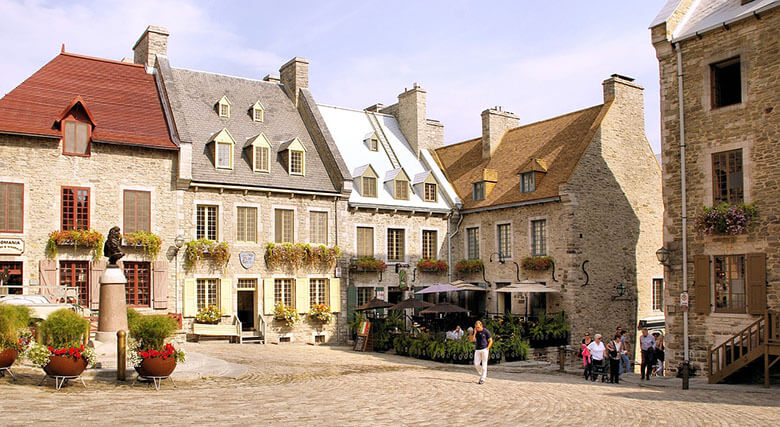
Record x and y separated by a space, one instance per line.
111 248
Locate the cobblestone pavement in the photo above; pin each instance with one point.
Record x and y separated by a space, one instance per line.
335 386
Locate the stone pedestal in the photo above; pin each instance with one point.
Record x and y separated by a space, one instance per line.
113 310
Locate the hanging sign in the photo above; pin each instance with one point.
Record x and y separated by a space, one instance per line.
402 280
247 259
684 301
11 246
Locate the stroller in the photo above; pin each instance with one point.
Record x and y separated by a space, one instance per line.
599 367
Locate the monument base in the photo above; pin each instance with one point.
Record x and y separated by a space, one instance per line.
113 308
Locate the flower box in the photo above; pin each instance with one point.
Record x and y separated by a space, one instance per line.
90 239
537 263
368 264
294 256
196 249
468 266
432 266
725 219
151 243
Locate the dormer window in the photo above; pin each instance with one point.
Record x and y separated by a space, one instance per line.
257 112
371 141
76 124
401 189
430 192
527 182
223 107
223 149
260 153
296 156
397 183
365 181
479 191
369 186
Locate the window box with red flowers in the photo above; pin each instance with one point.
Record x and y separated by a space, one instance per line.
90 239
537 263
368 264
432 266
469 266
321 312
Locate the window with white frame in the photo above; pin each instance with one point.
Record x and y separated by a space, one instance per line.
206 293
284 226
527 182
396 244
658 294
257 112
472 243
369 186
539 237
429 244
318 227
283 291
296 162
224 155
246 224
430 192
206 222
262 159
318 291
401 189
504 232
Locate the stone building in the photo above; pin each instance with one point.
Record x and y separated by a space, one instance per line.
400 202
255 170
584 189
85 146
723 56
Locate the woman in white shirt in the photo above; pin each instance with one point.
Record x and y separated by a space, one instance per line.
597 353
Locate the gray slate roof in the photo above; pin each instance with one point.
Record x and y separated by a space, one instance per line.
193 96
709 14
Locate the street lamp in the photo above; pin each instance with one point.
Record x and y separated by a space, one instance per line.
178 243
663 256
620 290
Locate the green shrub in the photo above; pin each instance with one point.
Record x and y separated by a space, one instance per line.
64 328
132 317
517 347
13 319
152 331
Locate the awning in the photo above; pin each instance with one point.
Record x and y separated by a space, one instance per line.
466 286
527 287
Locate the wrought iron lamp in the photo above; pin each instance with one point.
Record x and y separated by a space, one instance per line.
663 256
620 291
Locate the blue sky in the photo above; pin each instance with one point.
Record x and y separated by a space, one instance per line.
537 59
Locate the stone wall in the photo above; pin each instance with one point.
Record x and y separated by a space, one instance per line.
38 163
751 125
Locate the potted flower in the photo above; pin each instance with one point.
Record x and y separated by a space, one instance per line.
537 263
88 238
150 242
14 332
368 264
209 315
62 352
725 219
321 312
468 266
149 350
195 250
432 266
287 314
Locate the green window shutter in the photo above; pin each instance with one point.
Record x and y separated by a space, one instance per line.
226 296
190 308
351 300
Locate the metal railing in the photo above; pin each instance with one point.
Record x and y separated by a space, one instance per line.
263 326
239 331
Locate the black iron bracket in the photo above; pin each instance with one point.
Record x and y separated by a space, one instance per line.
587 276
553 272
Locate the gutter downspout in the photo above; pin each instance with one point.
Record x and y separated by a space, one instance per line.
686 361
449 244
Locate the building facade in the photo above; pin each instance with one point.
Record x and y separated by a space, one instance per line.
722 56
582 189
86 147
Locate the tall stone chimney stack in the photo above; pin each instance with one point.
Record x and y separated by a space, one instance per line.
154 41
627 96
495 123
411 116
294 75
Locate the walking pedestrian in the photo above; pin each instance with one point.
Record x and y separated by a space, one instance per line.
597 353
625 361
659 353
587 362
647 345
614 352
482 340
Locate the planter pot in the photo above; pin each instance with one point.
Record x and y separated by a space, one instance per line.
8 357
65 366
156 367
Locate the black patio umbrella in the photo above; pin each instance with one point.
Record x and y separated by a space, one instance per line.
374 304
444 307
411 303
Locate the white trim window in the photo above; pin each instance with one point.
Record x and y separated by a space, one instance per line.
396 244
206 293
472 243
658 294
539 237
318 292
504 233
318 227
206 224
246 224
283 291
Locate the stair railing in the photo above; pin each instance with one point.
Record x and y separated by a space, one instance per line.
263 326
737 346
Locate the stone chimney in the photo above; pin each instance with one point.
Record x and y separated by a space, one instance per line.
273 78
294 75
626 95
411 116
495 123
154 41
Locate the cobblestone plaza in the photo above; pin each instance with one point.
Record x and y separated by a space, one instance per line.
296 384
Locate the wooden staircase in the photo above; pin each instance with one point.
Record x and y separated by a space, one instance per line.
760 338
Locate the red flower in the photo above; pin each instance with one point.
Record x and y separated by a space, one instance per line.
71 351
51 348
154 353
145 354
77 355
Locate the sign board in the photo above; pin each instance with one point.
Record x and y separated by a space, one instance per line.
402 280
11 246
381 295
361 341
247 259
684 301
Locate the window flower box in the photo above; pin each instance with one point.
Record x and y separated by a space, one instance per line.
195 250
432 266
286 314
149 242
295 256
537 263
90 239
725 219
468 266
368 264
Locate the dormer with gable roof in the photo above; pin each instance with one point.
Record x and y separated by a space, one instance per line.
76 124
426 186
397 183
258 149
257 112
223 107
223 149
531 174
371 141
365 179
294 154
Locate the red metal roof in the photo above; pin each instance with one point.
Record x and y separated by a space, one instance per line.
121 98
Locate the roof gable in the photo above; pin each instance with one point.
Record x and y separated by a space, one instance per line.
223 136
259 140
293 144
77 102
